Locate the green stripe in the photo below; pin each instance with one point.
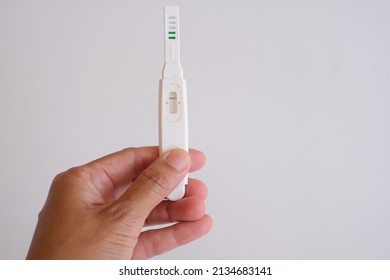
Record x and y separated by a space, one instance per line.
171 38
171 32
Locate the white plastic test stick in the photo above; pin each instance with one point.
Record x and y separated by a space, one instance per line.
173 122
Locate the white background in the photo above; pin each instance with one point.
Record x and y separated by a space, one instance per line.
288 99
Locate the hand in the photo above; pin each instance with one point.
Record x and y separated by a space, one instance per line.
98 210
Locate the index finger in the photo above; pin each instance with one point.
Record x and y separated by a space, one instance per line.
124 166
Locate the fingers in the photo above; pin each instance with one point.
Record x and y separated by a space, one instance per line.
155 183
198 160
113 174
155 242
123 166
190 208
196 188
186 209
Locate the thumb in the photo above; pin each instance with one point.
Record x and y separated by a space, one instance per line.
156 182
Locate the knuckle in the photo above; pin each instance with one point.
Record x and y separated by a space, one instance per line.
41 214
58 177
79 172
72 175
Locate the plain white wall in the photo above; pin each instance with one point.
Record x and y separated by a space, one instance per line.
288 99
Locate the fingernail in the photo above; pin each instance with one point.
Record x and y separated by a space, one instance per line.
178 159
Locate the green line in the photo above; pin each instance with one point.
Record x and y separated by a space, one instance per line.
171 32
171 38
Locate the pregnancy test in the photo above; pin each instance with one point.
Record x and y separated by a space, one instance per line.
173 119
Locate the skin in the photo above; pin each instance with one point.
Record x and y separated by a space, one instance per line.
98 210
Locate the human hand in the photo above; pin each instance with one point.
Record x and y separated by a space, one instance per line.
98 210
